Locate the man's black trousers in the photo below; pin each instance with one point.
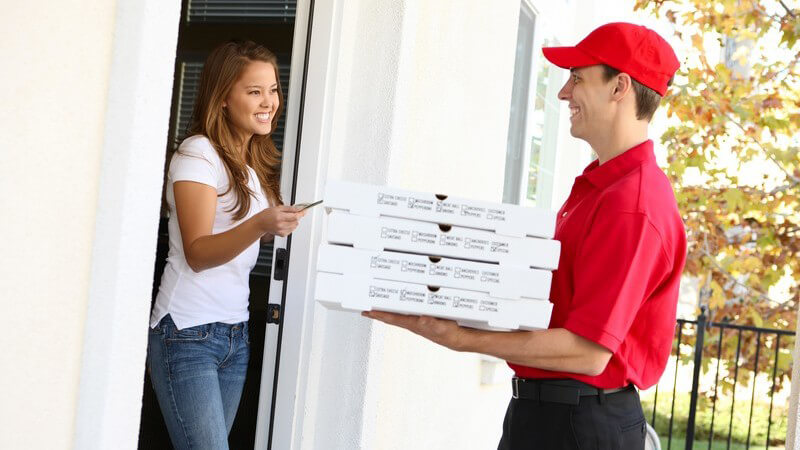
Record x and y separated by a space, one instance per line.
610 422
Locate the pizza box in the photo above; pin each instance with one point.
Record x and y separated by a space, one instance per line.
403 235
497 281
506 219
469 308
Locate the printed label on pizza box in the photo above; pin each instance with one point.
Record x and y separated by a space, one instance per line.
388 233
503 218
498 281
469 307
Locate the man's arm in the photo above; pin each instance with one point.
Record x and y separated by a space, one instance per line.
554 349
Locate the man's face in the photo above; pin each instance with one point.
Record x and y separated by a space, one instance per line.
590 104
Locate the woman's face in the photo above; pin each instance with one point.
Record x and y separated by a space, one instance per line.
253 100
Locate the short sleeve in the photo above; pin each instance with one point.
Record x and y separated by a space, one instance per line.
195 161
619 263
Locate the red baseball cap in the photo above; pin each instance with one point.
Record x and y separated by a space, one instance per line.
636 50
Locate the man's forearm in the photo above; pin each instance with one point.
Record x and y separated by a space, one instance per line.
554 349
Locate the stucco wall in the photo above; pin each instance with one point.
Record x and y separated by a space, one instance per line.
452 109
453 100
454 93
55 80
127 213
362 77
84 111
793 429
421 100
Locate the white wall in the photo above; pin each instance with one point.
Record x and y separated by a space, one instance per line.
793 427
421 100
454 99
361 89
417 95
453 103
123 252
55 80
84 111
423 103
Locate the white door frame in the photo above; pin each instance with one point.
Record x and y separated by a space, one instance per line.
308 123
109 399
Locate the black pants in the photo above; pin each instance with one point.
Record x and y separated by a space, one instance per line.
616 422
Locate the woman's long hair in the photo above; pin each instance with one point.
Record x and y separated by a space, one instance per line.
222 69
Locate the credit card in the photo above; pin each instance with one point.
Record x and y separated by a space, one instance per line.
305 206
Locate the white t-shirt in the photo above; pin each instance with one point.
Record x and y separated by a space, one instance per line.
218 294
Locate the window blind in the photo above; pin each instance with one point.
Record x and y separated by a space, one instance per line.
241 10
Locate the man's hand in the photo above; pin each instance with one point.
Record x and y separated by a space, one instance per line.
443 332
552 349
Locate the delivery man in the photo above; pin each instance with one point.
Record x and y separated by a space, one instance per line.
623 247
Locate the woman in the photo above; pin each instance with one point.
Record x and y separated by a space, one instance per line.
223 195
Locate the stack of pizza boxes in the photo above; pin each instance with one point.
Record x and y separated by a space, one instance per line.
484 265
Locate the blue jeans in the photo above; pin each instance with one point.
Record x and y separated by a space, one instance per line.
198 374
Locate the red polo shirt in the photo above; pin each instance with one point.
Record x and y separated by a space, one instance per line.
623 247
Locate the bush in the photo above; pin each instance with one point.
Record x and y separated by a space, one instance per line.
722 418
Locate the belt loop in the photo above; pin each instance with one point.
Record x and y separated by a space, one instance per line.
601 396
538 387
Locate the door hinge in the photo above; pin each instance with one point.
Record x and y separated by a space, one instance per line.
273 313
281 263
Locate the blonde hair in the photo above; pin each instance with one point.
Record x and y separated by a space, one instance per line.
222 69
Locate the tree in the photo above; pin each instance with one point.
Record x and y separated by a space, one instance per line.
734 127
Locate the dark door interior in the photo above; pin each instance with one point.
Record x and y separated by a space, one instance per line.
203 25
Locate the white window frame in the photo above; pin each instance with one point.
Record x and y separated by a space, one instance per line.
519 153
518 150
550 134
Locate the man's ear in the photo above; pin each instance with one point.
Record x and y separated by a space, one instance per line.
622 85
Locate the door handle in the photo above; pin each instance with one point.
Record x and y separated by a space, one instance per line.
281 264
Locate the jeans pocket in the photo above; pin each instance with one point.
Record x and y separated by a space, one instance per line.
632 435
198 333
158 329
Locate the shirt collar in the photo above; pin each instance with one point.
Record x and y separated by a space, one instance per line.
622 164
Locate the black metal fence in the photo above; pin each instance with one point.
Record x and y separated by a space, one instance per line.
757 352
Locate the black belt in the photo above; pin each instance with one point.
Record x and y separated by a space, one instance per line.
567 391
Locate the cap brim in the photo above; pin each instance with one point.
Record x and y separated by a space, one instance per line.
569 57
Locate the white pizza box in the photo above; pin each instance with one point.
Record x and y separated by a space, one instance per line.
502 218
497 281
388 233
469 308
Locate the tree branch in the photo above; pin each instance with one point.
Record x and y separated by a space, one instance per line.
788 11
766 152
775 19
746 189
784 188
749 288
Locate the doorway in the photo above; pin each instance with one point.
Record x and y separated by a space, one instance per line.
203 25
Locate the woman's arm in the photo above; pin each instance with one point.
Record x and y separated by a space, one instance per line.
196 205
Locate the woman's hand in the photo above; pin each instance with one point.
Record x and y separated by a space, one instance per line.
280 220
196 206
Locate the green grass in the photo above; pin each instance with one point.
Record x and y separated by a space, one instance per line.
722 421
680 444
